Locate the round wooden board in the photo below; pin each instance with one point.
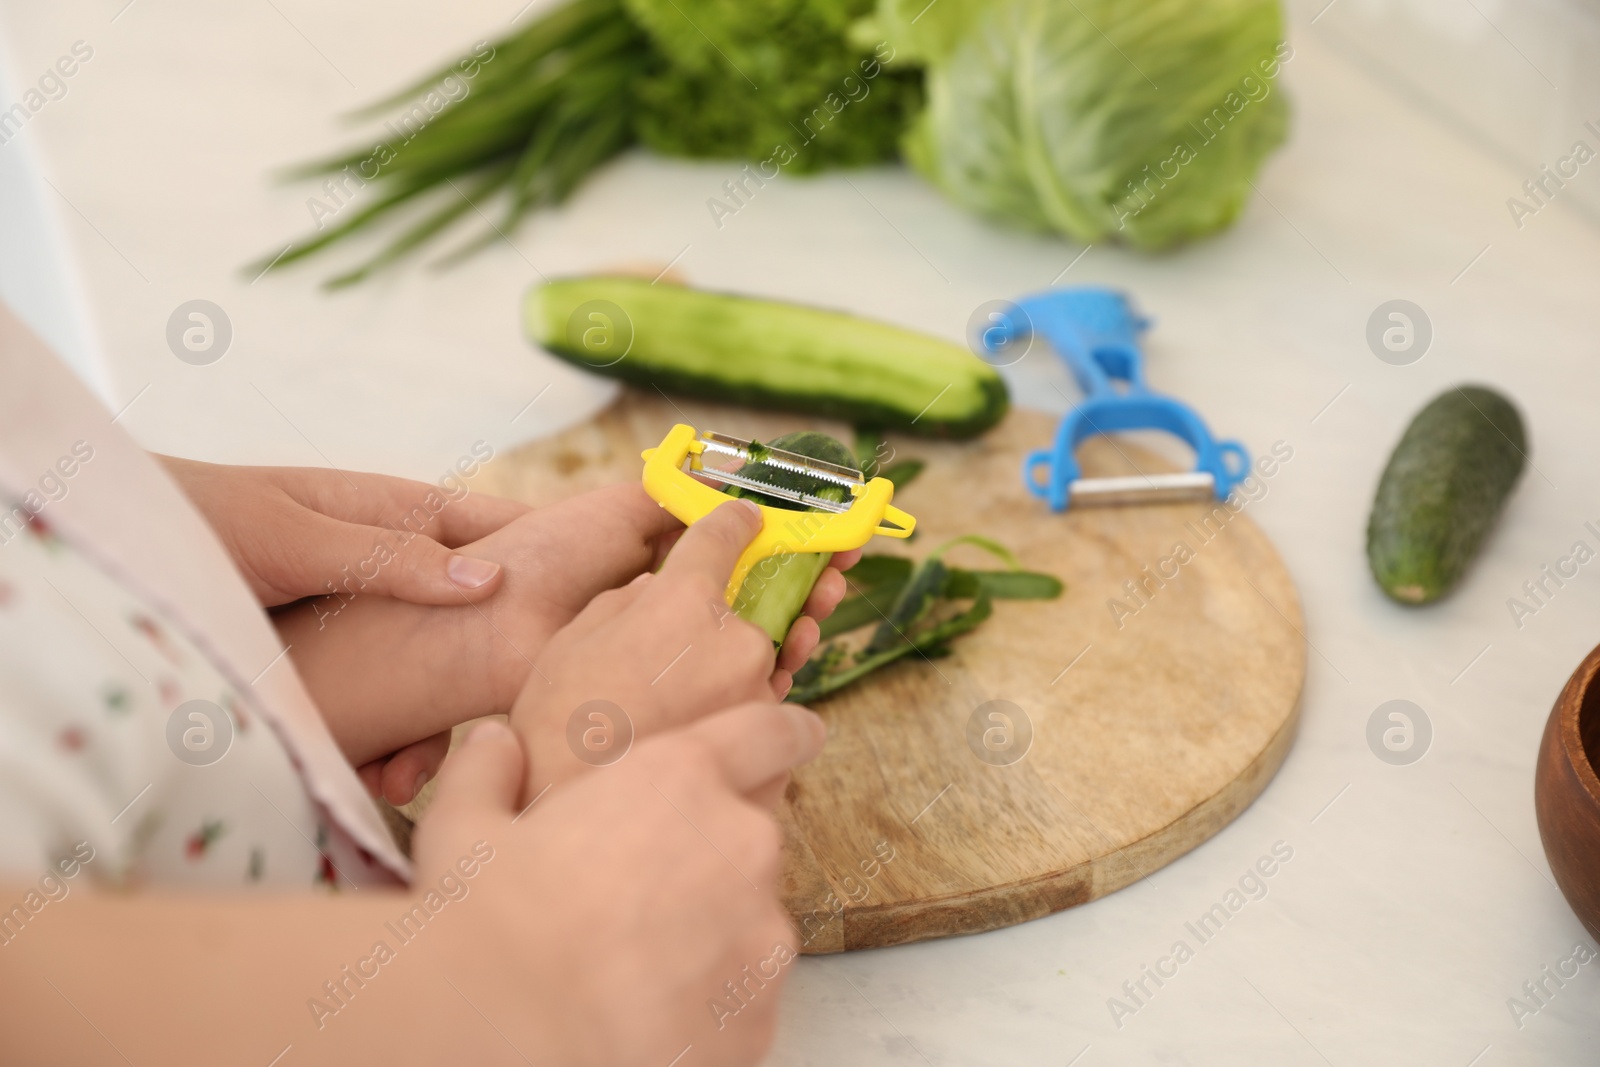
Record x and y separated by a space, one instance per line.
1152 727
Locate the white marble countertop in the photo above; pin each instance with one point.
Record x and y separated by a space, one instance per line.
1418 899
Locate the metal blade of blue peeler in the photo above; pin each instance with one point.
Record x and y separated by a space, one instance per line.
1180 488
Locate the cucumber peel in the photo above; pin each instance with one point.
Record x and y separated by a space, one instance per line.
905 599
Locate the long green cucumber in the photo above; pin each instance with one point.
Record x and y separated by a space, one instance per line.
766 354
1445 485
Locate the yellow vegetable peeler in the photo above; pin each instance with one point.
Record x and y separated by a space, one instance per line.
667 470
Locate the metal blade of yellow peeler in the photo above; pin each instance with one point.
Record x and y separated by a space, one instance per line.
793 462
733 478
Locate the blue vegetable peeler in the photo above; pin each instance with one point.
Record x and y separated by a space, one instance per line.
1097 332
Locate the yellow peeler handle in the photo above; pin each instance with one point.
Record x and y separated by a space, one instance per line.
782 531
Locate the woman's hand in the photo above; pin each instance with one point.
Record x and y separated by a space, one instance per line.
599 933
616 911
296 532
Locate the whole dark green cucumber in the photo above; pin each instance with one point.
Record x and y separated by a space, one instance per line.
765 353
1444 487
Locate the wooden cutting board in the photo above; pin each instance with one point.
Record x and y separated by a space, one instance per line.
1126 736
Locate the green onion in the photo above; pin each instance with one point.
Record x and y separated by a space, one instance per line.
552 103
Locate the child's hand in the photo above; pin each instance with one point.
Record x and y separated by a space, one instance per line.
298 531
615 910
559 558
660 652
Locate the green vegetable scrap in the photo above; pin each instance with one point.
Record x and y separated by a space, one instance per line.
1100 119
909 607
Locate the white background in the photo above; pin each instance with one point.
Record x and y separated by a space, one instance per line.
1415 904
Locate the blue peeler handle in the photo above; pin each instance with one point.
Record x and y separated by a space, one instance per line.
1096 331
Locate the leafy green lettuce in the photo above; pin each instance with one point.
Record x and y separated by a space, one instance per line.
770 80
1101 119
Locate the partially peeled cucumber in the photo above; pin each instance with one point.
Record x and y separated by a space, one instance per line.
765 353
776 588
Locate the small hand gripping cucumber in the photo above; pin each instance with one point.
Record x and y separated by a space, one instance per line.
1445 485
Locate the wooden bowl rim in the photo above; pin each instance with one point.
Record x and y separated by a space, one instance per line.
1572 698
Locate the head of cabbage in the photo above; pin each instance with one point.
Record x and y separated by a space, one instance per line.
1142 122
